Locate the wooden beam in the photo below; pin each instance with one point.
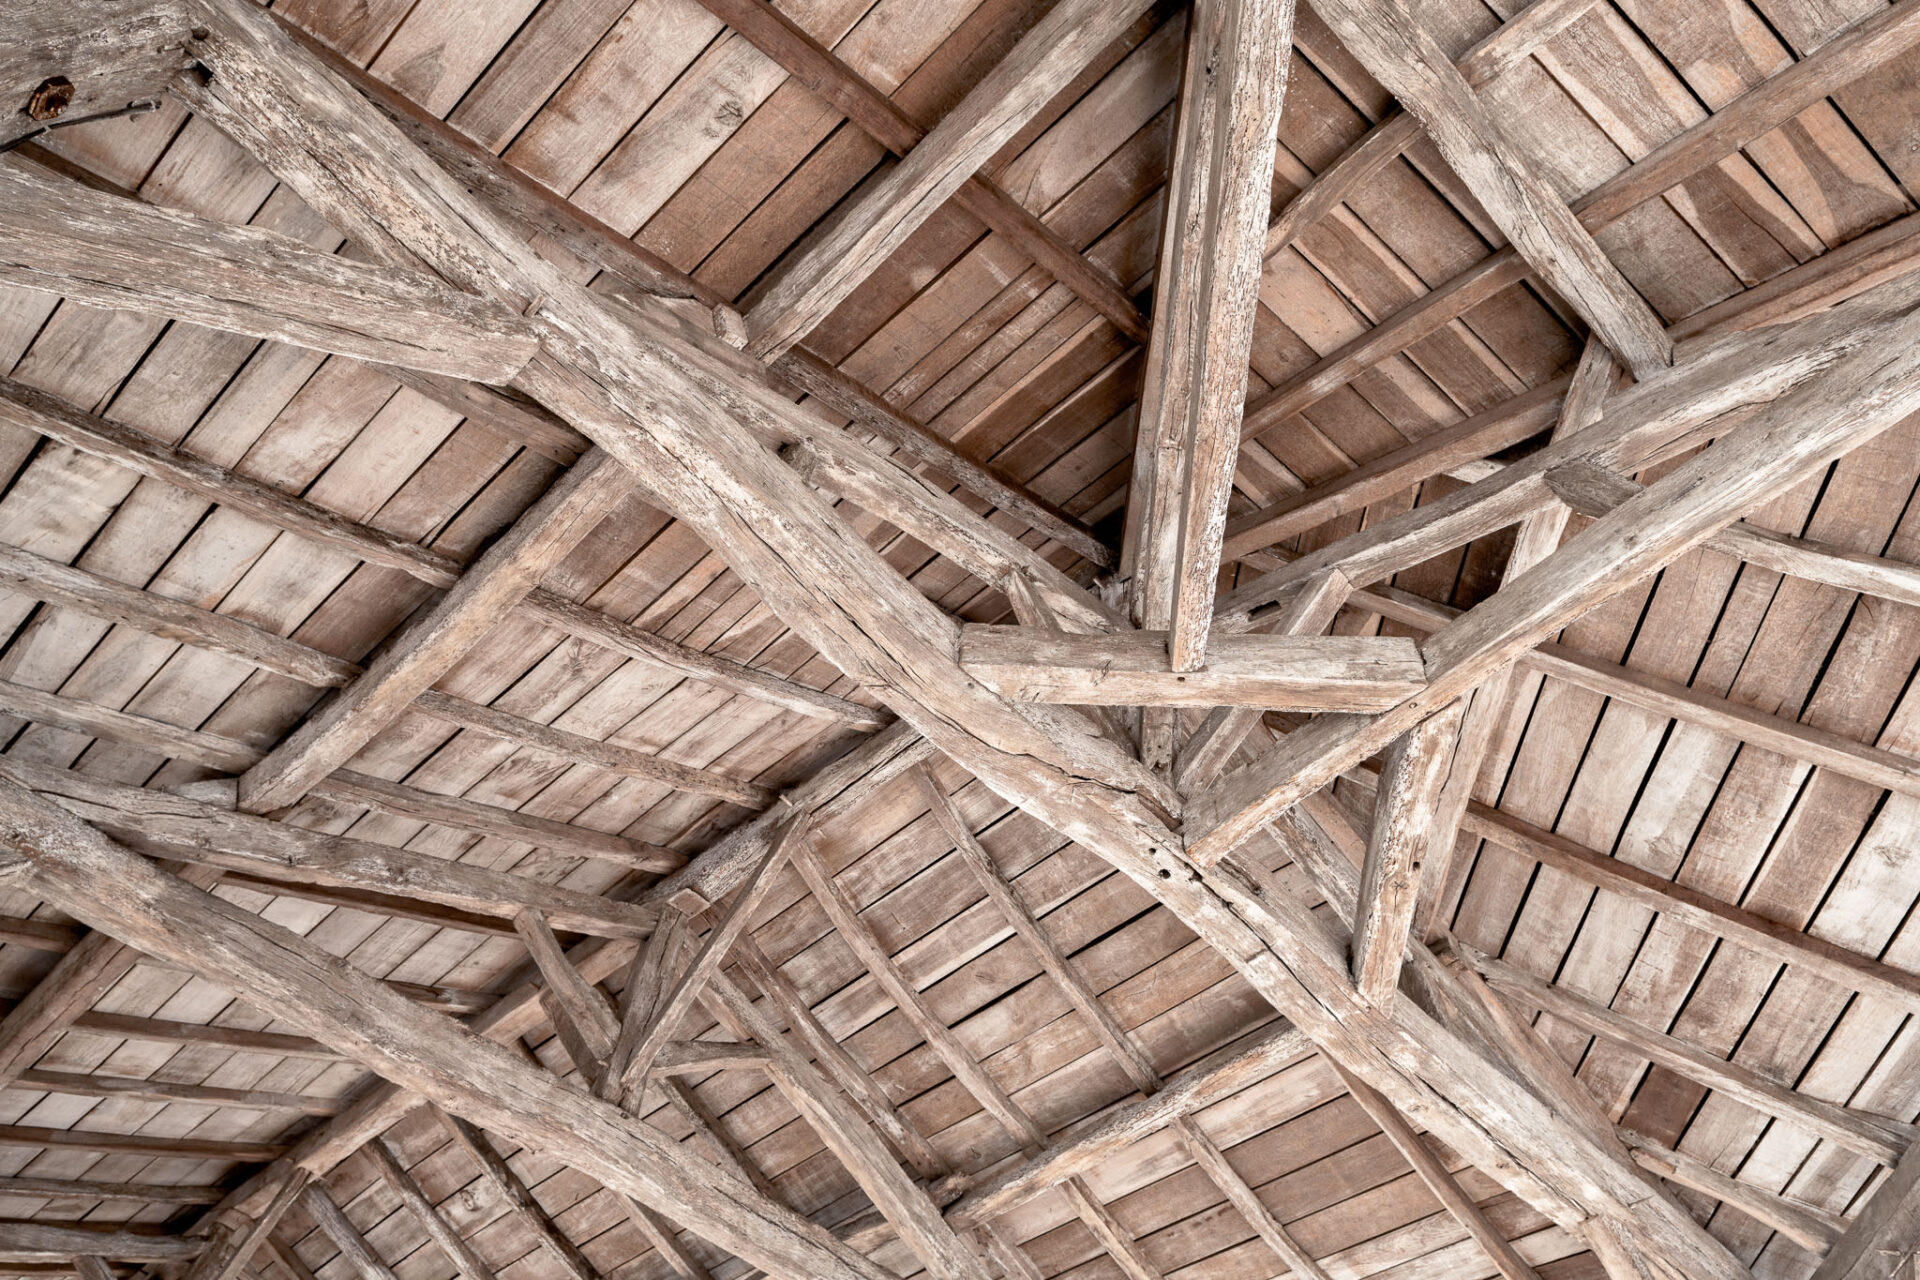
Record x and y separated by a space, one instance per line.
1206 292
1445 1189
830 264
58 1241
704 1057
1129 668
105 252
1812 1228
139 1144
542 215
1594 491
817 67
1398 848
498 580
845 1133
1885 1233
129 1192
1878 1138
520 1200
869 410
34 410
579 1010
1780 441
228 1256
1122 1046
818 575
68 863
205 834
85 1085
730 928
1209 749
1213 1162
1509 43
1471 439
650 980
1797 292
838 1064
353 1246
459 1251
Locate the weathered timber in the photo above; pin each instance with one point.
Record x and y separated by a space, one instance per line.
830 265
459 1252
704 1057
131 1192
109 55
820 577
803 57
845 1132
99 1086
1213 1161
67 862
1884 1232
1398 846
52 1241
1206 292
499 579
93 248
1778 443
1282 673
706 962
578 1009
24 1135
1132 1059
192 831
1881 1139
1809 1227
527 1209
1209 749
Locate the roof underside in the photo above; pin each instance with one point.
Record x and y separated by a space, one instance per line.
673 129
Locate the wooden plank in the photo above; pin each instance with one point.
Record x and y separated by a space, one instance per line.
703 1057
846 1134
706 962
1873 1136
460 1071
499 579
1223 1175
816 66
1398 846
1125 1050
1108 1233
458 1250
240 1039
1439 1181
1206 292
561 1250
106 252
1282 673
831 264
34 410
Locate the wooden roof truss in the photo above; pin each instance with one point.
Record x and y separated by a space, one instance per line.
1074 715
